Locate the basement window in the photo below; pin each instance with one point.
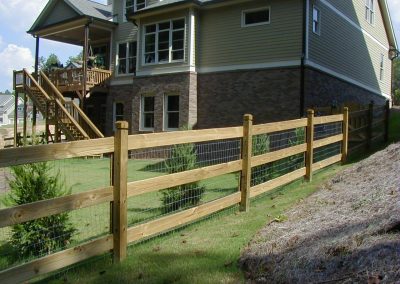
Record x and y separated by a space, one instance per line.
118 113
147 113
255 17
171 113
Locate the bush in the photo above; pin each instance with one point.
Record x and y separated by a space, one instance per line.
31 183
183 158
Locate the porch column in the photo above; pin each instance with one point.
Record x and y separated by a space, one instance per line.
25 116
15 118
34 110
85 58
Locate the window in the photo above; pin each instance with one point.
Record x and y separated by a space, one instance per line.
140 4
370 11
164 42
147 112
316 21
171 113
256 17
381 68
118 113
133 6
126 58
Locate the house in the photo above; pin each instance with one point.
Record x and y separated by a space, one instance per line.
207 62
7 105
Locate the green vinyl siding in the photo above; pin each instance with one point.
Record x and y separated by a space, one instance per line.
156 19
61 12
355 10
345 49
224 42
124 32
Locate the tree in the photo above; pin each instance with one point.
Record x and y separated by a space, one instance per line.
46 64
76 59
31 183
396 80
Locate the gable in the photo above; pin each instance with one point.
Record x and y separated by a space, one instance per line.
60 12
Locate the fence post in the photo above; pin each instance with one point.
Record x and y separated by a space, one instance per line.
387 118
245 178
345 142
369 125
120 190
310 144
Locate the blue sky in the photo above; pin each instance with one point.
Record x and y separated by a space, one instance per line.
17 48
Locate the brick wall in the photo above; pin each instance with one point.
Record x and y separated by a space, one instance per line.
269 95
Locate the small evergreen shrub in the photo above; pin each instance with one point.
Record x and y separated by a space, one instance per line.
183 158
31 183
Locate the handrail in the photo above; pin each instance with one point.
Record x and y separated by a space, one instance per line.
56 91
37 84
74 122
86 119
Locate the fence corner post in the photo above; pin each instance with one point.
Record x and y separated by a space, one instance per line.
120 171
369 125
310 144
246 165
345 142
387 119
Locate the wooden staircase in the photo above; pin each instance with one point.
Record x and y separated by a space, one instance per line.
65 115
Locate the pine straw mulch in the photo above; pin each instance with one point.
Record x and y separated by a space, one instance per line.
347 232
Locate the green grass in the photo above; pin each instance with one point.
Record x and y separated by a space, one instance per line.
204 252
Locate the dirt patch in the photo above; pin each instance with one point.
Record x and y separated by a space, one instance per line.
346 232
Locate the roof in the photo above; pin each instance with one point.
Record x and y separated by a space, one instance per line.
85 8
6 102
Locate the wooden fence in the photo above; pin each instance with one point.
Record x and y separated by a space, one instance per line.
121 189
368 124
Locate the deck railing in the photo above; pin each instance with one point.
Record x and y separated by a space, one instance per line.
74 77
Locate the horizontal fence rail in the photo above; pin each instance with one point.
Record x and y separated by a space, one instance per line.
276 154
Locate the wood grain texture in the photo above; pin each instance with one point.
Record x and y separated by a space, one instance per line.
327 162
162 182
278 155
56 261
279 126
178 219
272 184
328 119
327 141
44 208
246 149
143 141
41 153
310 144
345 128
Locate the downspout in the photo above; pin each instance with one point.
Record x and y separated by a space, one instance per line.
303 58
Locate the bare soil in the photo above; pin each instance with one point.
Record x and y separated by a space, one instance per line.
347 232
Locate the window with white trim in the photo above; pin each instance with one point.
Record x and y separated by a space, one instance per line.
381 68
255 17
316 21
171 112
370 11
132 6
126 58
164 42
147 112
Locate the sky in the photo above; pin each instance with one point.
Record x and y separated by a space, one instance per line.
17 48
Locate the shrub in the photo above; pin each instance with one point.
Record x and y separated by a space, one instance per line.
183 158
31 183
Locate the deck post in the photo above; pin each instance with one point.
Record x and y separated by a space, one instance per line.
15 118
310 144
245 179
25 117
84 67
34 109
345 130
387 118
120 168
56 126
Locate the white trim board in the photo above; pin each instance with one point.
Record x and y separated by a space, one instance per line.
276 64
344 78
339 13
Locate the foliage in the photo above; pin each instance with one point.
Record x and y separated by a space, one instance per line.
46 64
183 158
31 183
75 59
261 145
396 80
